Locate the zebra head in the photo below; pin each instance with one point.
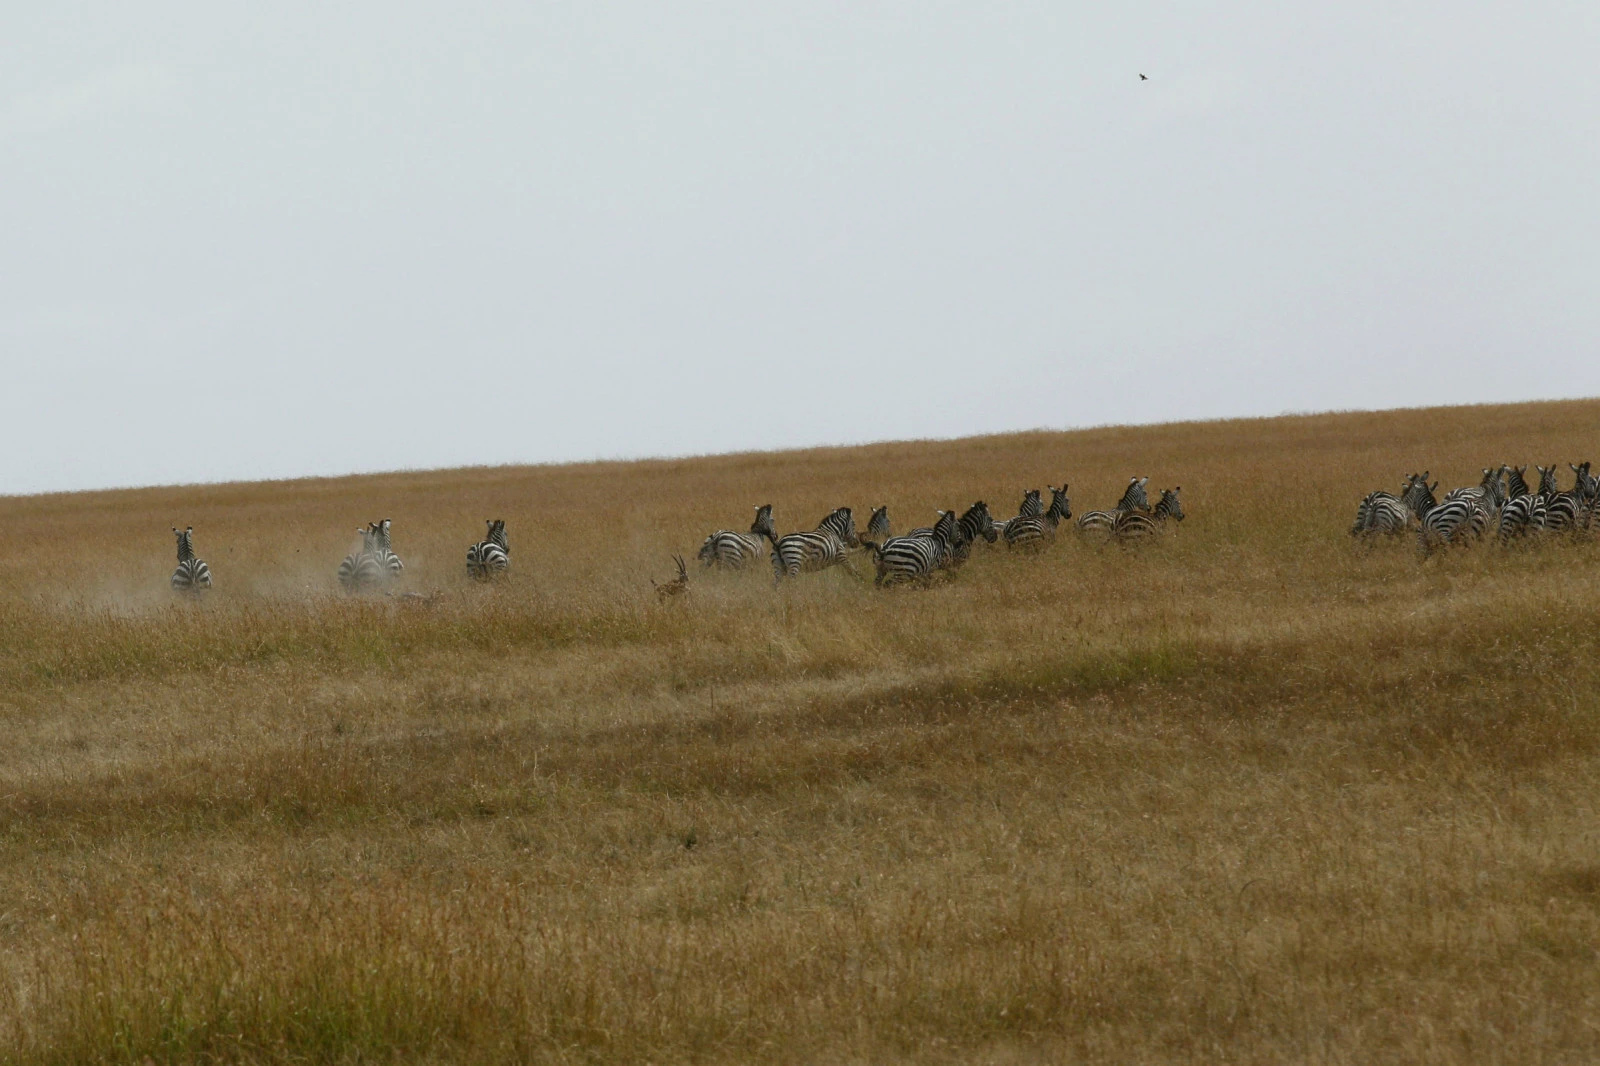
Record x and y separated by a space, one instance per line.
842 525
978 522
381 528
369 538
497 534
1060 506
1547 480
762 526
185 543
1585 485
1418 496
1032 505
1169 505
1493 490
1516 481
947 529
878 524
1134 498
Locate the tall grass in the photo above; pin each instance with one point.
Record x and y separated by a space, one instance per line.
1251 793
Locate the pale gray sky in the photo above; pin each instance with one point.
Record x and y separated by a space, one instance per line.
245 240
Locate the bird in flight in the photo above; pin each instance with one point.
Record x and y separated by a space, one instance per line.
1143 78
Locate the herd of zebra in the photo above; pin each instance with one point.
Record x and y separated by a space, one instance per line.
372 566
921 553
1501 501
915 556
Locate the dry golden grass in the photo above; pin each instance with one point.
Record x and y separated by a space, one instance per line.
1252 793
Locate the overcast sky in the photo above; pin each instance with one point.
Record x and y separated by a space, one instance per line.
245 240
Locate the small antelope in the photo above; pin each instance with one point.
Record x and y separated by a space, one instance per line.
677 586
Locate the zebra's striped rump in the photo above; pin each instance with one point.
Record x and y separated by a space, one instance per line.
1137 525
1452 522
363 570
192 574
492 556
1035 531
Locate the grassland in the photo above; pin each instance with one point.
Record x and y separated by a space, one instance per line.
1250 794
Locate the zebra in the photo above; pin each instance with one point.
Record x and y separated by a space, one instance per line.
916 556
386 558
974 523
735 551
1136 525
1563 510
192 574
1488 494
825 546
491 556
362 569
1133 499
1037 530
1384 512
1516 484
1521 515
1451 522
1032 507
878 524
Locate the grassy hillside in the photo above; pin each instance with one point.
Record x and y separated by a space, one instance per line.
1252 793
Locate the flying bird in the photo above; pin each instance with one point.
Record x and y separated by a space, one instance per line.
1143 78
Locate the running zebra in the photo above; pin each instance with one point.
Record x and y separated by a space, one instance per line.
361 569
735 551
975 523
825 546
1032 507
1563 510
1452 522
1133 499
878 525
1521 515
386 558
1488 494
1136 525
490 557
192 574
1038 530
1516 483
916 556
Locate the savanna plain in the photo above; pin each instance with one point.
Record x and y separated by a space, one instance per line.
1249 793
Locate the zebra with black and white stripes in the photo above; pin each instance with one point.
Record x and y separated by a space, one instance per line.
361 569
1032 507
385 555
490 557
827 545
1137 525
878 525
975 522
918 555
1563 510
1383 513
1521 516
734 551
1134 498
192 574
1452 522
1036 531
1516 482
